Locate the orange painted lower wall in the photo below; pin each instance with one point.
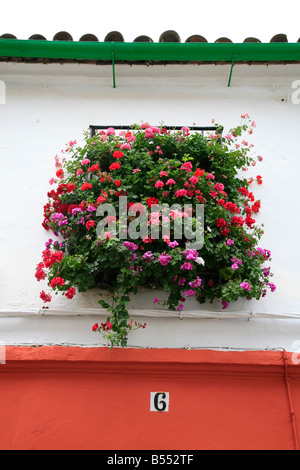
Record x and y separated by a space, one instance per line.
96 398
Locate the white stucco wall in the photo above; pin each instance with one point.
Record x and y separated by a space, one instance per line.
48 105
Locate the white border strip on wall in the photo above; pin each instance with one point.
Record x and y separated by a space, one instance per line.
195 314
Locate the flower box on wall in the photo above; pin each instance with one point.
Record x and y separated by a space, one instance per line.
162 210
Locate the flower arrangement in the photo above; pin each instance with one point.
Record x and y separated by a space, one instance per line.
133 176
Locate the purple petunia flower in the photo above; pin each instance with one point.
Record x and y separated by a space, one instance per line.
48 243
245 285
130 246
148 256
164 259
75 210
186 266
196 283
173 244
272 286
190 293
191 254
91 208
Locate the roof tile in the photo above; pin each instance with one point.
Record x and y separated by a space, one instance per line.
166 36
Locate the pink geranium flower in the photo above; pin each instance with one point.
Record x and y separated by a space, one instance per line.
159 184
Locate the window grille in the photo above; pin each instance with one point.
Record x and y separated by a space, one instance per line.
202 129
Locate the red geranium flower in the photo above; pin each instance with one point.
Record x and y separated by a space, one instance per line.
90 224
101 199
60 173
86 186
118 154
199 172
221 222
70 187
114 166
70 293
45 297
57 281
152 201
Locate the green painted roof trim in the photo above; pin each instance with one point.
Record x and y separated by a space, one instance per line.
138 51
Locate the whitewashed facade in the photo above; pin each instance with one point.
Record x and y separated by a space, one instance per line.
46 106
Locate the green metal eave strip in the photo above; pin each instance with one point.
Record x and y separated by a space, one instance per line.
161 52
